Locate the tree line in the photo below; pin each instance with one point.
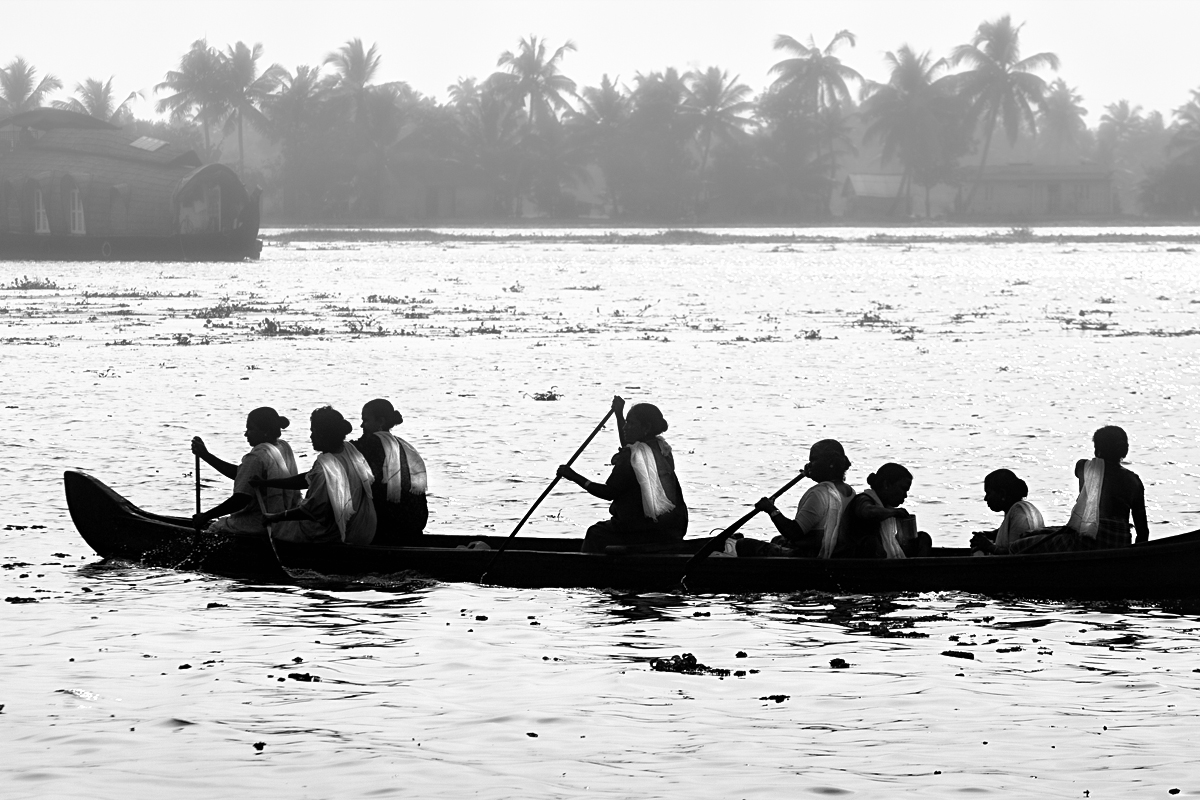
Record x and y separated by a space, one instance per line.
664 146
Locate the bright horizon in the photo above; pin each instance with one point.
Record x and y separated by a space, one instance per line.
1110 49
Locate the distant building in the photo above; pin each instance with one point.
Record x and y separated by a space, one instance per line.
72 186
873 196
1035 191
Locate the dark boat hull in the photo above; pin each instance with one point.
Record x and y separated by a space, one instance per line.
234 246
1164 569
116 528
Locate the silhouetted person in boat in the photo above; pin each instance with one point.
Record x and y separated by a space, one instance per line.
400 481
269 457
647 504
818 529
872 521
1109 495
337 506
1004 492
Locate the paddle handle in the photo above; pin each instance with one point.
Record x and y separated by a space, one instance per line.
546 493
725 534
554 482
713 544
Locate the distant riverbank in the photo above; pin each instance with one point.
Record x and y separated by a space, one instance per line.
1119 232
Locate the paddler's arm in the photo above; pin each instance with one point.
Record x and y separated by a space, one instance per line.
283 516
600 490
1138 509
298 482
788 528
223 467
236 502
877 513
618 407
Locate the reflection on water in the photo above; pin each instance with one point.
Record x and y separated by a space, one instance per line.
954 358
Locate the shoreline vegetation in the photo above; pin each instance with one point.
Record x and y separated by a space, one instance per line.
565 233
983 131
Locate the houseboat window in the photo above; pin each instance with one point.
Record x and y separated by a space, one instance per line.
41 222
77 226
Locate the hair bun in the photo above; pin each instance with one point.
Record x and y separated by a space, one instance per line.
347 427
283 423
397 418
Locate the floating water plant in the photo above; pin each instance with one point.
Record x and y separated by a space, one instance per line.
27 283
222 310
269 327
551 394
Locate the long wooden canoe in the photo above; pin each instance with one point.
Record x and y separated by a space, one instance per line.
1167 568
116 528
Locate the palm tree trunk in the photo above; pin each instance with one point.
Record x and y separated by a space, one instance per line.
241 151
987 144
899 192
832 179
703 165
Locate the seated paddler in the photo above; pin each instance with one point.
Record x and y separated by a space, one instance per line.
1005 493
820 516
1109 495
338 504
400 482
878 525
270 457
646 501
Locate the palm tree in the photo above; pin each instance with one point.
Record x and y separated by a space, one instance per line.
817 79
464 94
818 76
196 89
291 108
999 84
94 97
718 105
912 116
246 92
354 69
20 90
1120 120
489 125
658 132
1061 118
599 126
1185 135
530 74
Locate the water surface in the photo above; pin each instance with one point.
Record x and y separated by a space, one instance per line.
953 358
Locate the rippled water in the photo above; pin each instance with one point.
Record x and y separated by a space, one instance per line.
954 358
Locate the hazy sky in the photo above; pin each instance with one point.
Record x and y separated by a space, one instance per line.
1110 49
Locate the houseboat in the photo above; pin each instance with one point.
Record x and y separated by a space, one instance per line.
75 187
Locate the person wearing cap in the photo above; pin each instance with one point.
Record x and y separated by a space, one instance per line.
646 500
820 516
270 457
400 480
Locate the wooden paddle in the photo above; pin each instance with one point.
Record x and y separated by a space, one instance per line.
196 523
718 541
549 489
